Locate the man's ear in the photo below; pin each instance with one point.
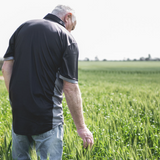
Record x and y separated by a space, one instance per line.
67 16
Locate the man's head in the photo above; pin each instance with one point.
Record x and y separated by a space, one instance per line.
67 15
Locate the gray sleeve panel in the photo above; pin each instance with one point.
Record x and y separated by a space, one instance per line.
68 80
8 58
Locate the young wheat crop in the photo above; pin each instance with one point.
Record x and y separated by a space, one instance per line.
121 108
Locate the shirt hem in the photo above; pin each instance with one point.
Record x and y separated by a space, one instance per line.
8 58
58 124
68 80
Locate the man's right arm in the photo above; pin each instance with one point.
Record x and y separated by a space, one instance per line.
74 101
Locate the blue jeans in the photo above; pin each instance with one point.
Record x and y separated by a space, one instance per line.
48 144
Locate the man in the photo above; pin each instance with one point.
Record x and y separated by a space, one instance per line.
40 64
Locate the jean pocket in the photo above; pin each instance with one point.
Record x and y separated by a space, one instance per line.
59 132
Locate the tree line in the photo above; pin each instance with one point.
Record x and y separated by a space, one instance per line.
149 58
97 59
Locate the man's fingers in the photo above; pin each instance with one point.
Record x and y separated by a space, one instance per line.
84 143
88 142
91 142
87 137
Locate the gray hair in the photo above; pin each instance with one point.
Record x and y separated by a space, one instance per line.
61 10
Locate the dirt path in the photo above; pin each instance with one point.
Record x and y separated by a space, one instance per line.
1 78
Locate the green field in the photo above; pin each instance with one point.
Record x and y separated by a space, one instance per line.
121 103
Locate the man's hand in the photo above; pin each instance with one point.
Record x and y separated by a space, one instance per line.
87 137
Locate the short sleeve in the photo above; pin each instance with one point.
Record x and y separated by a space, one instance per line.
69 67
9 55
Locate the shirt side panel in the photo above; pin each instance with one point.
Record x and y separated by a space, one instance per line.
57 102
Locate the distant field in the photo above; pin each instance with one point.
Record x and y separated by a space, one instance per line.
152 66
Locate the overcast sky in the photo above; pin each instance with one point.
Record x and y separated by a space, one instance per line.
110 29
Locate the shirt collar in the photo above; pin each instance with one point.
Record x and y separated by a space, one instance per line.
54 18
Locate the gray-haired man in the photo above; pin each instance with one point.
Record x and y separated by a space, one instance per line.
40 64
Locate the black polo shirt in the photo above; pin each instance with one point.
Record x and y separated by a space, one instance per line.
44 54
